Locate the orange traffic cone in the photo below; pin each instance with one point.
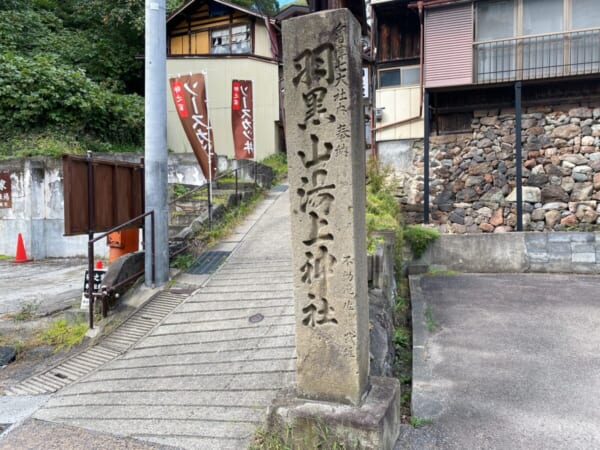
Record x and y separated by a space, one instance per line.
21 256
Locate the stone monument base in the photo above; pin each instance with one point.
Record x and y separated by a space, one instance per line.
373 425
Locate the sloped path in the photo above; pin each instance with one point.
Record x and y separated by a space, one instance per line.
203 378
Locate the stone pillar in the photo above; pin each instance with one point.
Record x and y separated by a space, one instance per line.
326 157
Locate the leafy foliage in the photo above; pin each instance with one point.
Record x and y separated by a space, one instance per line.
66 79
278 162
419 238
383 209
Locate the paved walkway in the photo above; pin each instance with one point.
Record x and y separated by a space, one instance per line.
204 377
506 361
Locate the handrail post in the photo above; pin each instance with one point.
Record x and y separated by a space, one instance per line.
237 200
153 248
91 274
210 224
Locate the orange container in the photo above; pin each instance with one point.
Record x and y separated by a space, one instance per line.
122 242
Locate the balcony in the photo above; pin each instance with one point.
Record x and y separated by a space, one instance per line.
538 56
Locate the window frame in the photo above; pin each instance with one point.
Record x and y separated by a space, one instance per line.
229 29
400 69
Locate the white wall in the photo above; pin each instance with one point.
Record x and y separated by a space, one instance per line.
220 73
399 103
37 210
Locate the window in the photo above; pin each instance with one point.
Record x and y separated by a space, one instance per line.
234 40
399 76
585 14
495 20
585 51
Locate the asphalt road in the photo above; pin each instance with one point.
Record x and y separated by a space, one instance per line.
49 285
506 361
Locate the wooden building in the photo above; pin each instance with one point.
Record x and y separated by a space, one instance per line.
227 42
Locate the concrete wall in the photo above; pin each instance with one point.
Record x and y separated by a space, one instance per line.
558 252
38 205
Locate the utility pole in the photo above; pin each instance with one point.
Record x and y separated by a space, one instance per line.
156 159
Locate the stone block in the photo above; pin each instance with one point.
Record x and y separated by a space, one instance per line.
559 237
584 258
586 268
582 237
536 240
531 194
326 159
559 247
537 257
577 247
372 425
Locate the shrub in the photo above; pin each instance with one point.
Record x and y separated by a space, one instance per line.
419 239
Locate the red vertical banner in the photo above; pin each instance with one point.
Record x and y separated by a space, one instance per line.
189 95
242 118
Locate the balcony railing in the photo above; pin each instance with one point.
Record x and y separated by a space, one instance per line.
539 56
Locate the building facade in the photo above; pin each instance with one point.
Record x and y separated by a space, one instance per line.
511 130
228 43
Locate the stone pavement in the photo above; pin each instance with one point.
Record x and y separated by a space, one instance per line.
204 377
505 361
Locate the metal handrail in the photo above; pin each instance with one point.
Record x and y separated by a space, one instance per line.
544 55
90 294
208 186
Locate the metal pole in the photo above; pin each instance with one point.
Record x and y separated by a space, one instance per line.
91 212
156 159
519 156
210 150
427 128
237 198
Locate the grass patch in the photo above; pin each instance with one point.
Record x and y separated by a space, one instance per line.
5 257
419 422
269 440
27 311
56 142
430 322
277 162
183 261
62 335
419 238
315 435
179 190
232 217
442 272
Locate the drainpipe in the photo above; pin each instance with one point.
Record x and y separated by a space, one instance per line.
373 74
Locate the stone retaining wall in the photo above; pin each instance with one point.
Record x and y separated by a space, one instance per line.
473 174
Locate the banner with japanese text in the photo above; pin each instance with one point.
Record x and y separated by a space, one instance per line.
242 119
189 95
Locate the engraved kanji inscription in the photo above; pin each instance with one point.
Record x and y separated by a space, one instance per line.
315 193
318 153
314 66
318 312
318 265
314 110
